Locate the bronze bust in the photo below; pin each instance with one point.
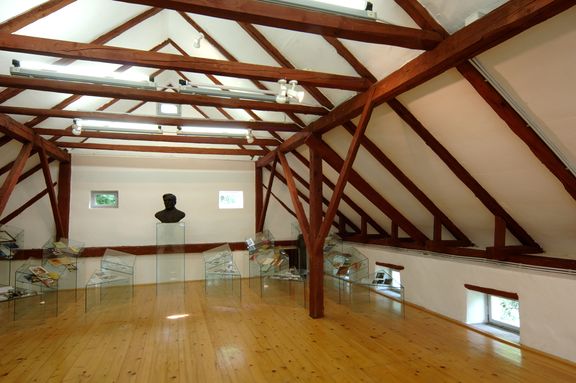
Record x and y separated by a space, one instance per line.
170 214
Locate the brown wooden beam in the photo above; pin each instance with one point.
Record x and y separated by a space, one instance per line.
490 291
499 232
51 193
350 58
421 16
282 60
25 206
18 22
301 215
462 174
517 124
262 216
163 149
315 252
510 19
307 200
158 120
258 193
353 205
12 178
156 137
125 56
389 165
333 159
151 95
297 19
345 171
22 133
64 189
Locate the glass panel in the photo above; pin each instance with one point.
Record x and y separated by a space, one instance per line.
504 311
222 277
170 252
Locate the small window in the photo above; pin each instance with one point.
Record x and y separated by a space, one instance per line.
503 312
163 109
103 199
231 200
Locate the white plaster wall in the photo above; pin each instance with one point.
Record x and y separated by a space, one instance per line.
547 313
141 184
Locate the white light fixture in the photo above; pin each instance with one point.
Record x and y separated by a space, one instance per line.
250 137
288 93
67 73
114 127
76 127
198 40
355 8
208 131
226 91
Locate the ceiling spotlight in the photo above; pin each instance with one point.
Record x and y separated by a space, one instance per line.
198 40
288 93
250 137
76 127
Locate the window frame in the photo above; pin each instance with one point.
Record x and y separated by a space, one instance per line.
494 322
94 205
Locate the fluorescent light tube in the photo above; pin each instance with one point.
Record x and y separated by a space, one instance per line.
206 131
355 8
112 126
65 73
226 92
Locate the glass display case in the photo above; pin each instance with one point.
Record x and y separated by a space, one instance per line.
11 239
221 275
345 267
170 252
39 288
384 282
288 286
61 257
113 282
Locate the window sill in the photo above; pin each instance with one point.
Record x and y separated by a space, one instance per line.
497 332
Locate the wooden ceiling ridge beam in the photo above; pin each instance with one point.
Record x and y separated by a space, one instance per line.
508 20
465 177
150 95
26 135
303 20
332 158
32 15
168 61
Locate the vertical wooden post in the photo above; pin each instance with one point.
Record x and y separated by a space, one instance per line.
315 253
499 232
363 226
258 191
64 186
437 236
394 230
262 217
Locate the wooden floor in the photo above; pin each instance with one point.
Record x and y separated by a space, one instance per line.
268 339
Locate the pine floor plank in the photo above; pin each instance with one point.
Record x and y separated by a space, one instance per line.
258 339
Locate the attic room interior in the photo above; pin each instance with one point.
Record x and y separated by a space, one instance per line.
287 190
